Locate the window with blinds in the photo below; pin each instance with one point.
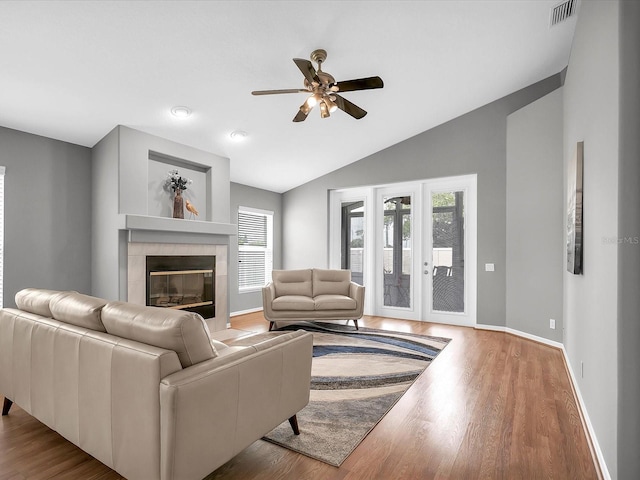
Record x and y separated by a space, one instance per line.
2 169
255 248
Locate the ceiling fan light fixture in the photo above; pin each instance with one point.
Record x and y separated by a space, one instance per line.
306 107
324 109
331 104
312 101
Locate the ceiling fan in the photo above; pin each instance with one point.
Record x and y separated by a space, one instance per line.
323 89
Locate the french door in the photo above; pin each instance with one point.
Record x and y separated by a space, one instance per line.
397 248
413 245
449 254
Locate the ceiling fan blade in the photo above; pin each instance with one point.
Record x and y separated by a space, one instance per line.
347 107
306 67
274 92
300 116
359 84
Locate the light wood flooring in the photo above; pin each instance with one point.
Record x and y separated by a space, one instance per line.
491 406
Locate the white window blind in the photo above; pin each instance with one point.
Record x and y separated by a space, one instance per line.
2 169
255 248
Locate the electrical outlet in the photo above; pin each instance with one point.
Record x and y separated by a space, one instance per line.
489 267
552 323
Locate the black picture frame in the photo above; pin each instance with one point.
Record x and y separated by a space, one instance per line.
575 211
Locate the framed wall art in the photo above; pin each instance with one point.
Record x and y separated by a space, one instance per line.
575 210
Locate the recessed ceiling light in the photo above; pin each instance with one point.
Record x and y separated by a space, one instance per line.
181 112
238 135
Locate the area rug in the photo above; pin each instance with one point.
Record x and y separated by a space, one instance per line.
356 377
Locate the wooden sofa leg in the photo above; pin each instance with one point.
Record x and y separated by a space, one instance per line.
355 322
293 421
6 406
271 324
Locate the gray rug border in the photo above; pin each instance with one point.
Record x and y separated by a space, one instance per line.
337 465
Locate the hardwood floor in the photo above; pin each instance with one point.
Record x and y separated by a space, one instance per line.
491 406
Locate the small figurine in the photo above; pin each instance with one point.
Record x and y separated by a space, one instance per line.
191 208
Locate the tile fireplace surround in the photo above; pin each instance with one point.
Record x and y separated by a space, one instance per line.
136 273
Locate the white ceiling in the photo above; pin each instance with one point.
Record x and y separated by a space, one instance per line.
74 70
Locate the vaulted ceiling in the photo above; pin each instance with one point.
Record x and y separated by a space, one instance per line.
73 70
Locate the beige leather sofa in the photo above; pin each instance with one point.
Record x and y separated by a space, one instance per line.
312 294
145 390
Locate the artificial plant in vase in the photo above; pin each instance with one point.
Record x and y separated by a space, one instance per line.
177 184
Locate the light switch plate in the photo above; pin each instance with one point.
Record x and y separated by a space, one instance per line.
489 267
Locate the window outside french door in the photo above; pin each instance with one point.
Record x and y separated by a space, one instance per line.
352 245
351 230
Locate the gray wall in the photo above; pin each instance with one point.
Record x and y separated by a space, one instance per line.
629 251
104 218
472 143
47 214
535 216
242 195
591 114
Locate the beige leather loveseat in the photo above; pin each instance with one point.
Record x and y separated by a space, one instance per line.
312 294
145 390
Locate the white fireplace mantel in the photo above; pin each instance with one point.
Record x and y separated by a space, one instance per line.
179 225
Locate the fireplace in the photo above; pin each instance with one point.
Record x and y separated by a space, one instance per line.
182 282
138 275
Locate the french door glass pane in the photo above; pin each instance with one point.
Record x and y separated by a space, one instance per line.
396 254
448 251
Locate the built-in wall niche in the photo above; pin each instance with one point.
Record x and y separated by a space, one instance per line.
160 199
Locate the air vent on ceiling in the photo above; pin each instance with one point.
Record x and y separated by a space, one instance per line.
562 11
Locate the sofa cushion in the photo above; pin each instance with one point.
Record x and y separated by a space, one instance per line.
334 302
293 302
292 282
331 282
78 309
35 300
183 332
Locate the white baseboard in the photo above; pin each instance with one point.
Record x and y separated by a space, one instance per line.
585 415
243 312
519 333
572 378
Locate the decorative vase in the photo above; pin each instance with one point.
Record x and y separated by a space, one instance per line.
178 205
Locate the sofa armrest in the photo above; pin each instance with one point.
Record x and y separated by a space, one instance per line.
357 293
212 411
269 292
268 296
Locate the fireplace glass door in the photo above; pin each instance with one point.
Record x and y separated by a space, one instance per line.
183 283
